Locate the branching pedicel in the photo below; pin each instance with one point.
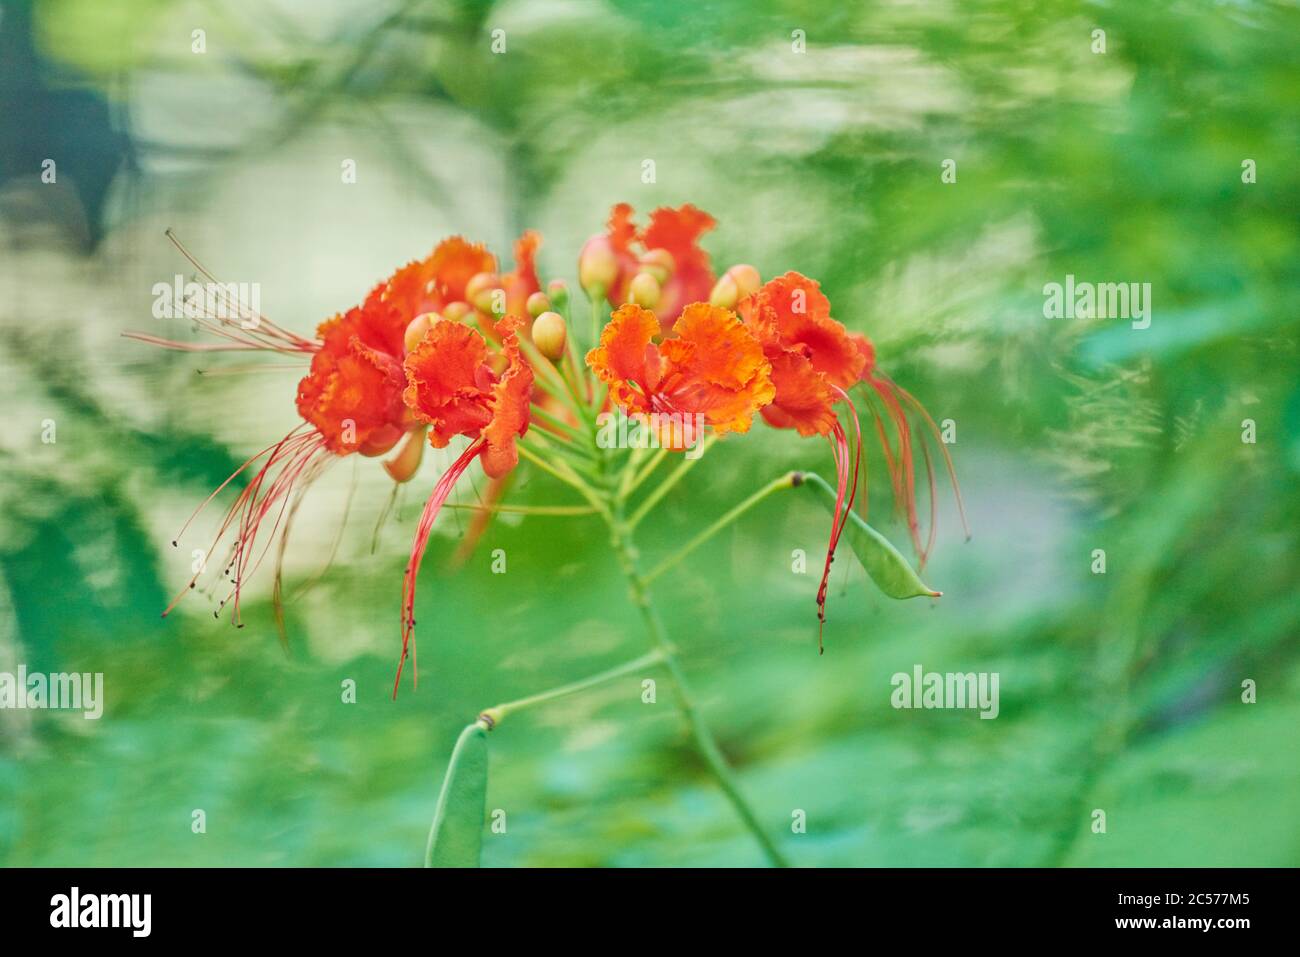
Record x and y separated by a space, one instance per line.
450 347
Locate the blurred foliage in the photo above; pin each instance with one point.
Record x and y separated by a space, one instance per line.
1119 691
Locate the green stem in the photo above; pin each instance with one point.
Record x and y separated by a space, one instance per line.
493 716
704 740
537 412
526 509
646 471
784 482
667 485
565 474
550 376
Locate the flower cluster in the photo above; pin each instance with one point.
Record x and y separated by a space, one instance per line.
450 349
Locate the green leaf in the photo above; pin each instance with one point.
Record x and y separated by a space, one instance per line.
456 838
887 568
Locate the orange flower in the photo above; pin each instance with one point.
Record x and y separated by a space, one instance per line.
433 283
711 371
451 386
353 391
351 399
813 356
814 360
676 230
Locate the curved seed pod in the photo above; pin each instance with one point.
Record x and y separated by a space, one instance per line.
456 837
883 562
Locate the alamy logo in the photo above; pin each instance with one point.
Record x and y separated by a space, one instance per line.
103 910
59 691
930 689
1106 300
238 301
669 430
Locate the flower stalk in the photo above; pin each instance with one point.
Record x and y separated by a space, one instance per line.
625 550
784 482
492 717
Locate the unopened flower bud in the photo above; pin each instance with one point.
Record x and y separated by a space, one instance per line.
597 265
747 279
644 290
456 311
404 464
537 304
736 283
480 288
725 292
549 335
658 263
417 327
559 293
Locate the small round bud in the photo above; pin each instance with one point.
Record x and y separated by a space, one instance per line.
736 283
549 335
658 263
747 279
537 304
559 293
417 327
480 288
644 290
725 292
456 311
597 265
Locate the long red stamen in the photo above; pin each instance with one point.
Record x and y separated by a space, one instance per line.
265 330
943 448
898 402
302 467
441 492
481 519
846 490
295 460
903 466
243 328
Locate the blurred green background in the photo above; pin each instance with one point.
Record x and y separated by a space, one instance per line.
1119 691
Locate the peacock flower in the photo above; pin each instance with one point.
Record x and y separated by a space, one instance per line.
814 358
453 386
350 401
352 393
667 250
710 372
814 362
440 279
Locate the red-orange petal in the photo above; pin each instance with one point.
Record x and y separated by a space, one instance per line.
443 382
867 349
620 359
714 366
622 233
801 315
509 404
678 231
804 398
523 282
352 391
